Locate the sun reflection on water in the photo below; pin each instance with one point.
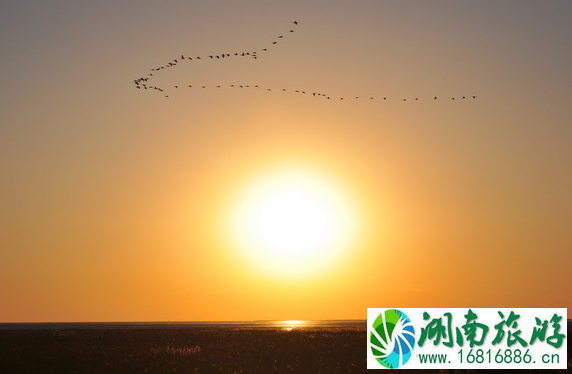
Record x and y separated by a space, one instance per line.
292 324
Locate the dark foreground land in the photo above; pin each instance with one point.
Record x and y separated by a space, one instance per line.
263 350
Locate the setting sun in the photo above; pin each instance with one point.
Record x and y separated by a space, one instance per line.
292 222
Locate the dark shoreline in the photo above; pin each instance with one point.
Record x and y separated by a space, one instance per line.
199 349
264 350
203 325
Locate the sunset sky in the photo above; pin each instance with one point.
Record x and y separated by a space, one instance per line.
118 204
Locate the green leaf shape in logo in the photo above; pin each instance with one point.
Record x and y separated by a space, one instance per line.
392 338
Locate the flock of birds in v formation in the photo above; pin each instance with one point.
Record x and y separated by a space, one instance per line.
143 83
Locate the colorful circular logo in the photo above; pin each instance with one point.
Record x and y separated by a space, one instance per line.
392 338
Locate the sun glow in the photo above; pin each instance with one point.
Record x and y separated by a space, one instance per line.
292 222
292 324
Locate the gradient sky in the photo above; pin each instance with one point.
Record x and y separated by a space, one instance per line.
111 199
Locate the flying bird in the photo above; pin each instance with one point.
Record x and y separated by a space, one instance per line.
139 82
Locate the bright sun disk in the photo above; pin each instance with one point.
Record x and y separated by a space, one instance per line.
292 222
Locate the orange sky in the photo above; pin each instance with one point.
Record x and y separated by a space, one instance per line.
113 201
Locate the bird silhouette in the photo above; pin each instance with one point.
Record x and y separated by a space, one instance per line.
140 83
